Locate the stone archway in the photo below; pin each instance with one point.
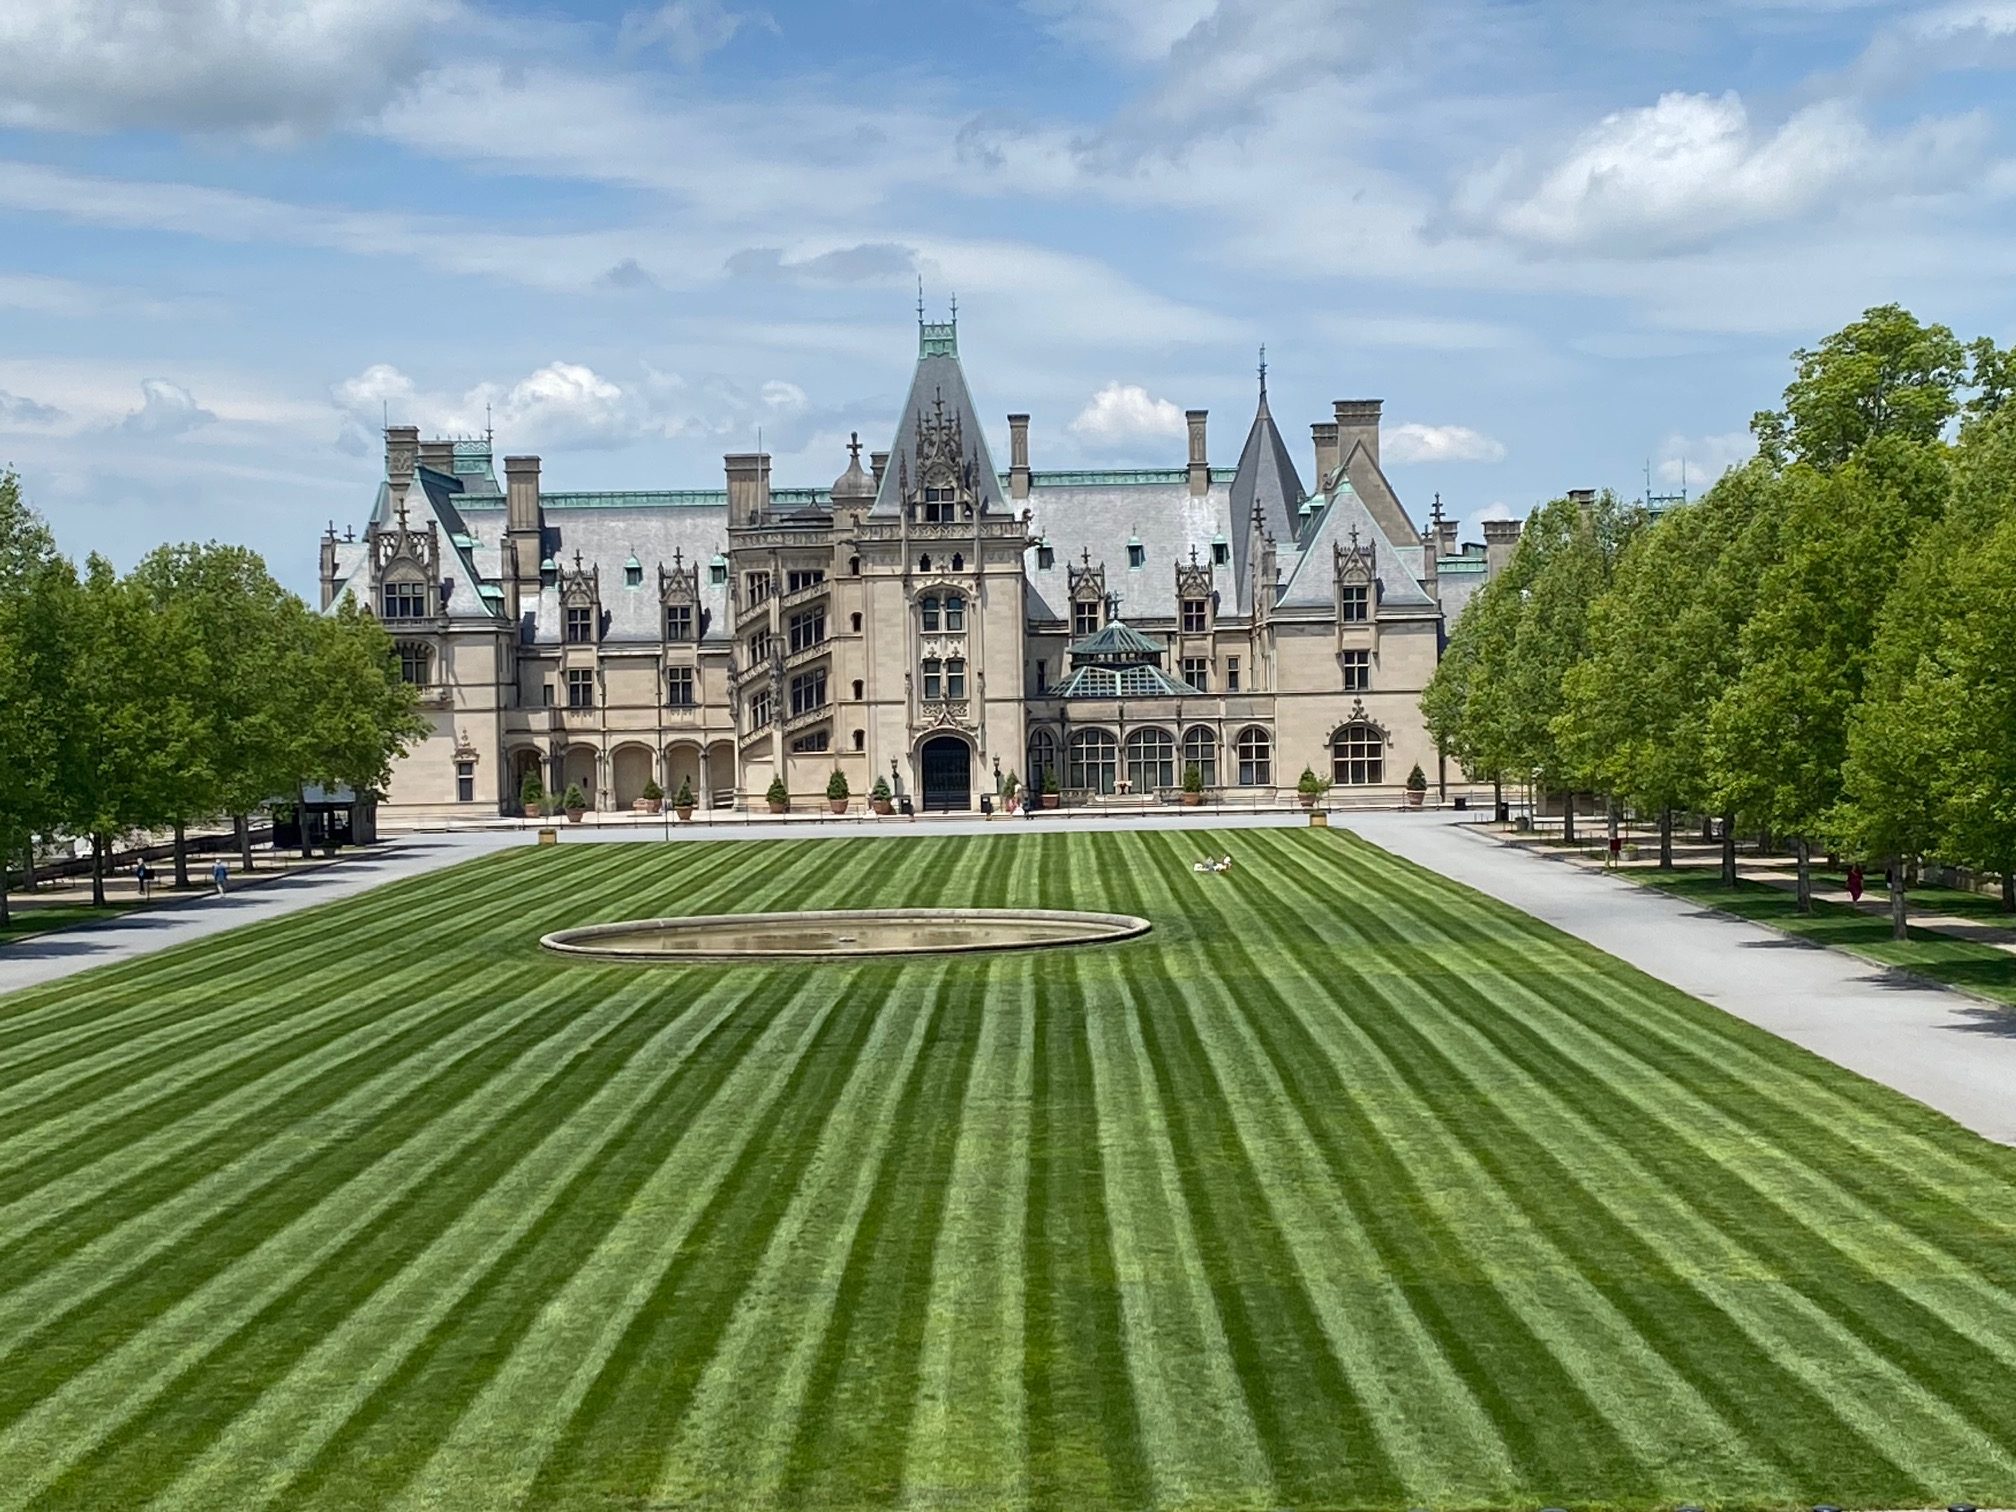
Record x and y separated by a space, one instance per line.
682 765
945 765
526 759
577 769
722 777
629 769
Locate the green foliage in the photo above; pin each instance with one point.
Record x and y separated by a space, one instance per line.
1417 780
1883 376
652 792
532 792
1309 785
1193 779
777 793
685 798
1010 785
353 715
836 785
573 801
1050 780
880 792
38 591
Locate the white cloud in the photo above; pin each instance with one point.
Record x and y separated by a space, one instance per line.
1138 31
166 409
1692 166
690 29
1414 442
17 411
1121 415
277 66
1697 461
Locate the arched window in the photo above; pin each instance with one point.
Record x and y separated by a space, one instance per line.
928 608
1042 758
854 566
860 739
1151 760
924 562
1358 756
856 621
955 609
1256 758
958 562
1200 750
1094 762
857 690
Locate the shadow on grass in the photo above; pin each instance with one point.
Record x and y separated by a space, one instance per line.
1944 958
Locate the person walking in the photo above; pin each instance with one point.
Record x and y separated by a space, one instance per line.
1855 884
218 872
143 877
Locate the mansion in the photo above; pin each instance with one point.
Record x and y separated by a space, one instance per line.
927 619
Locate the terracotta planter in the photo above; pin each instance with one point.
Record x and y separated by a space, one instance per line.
684 811
1051 800
648 806
1191 800
574 815
838 805
1307 800
882 806
1415 797
777 808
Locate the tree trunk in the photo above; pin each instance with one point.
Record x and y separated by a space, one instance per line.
242 825
1899 929
1666 839
1500 811
2009 889
181 856
1729 850
97 870
1707 828
1568 816
301 819
6 861
1803 848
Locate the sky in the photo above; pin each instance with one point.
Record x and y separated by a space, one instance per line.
1565 240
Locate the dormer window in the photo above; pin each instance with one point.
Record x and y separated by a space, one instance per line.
717 572
1354 603
549 572
1137 554
580 625
1046 558
941 504
678 622
633 573
403 601
1085 618
1196 617
1221 553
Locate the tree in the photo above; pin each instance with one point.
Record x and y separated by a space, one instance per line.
240 617
1885 375
35 588
131 739
1778 735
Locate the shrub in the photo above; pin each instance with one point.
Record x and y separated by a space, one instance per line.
1009 784
1309 784
1417 780
1050 781
880 792
685 798
532 793
1193 780
836 785
574 798
777 792
652 792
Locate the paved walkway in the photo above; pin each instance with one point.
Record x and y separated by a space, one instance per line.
1952 1052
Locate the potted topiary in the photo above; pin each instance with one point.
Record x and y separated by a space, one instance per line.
1417 786
879 799
532 796
1010 786
778 796
1193 786
1309 787
652 800
1051 797
682 801
574 802
836 791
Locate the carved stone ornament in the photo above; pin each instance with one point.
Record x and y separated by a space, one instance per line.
465 748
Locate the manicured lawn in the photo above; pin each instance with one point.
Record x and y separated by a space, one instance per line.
1941 957
1345 1187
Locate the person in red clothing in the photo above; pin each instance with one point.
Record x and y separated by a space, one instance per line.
1854 884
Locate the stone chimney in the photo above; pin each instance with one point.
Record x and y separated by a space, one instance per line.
402 451
878 464
748 487
1500 536
521 501
1584 500
1358 420
1018 456
1200 462
1324 434
439 456
1446 532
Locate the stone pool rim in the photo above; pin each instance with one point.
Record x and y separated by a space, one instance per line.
578 942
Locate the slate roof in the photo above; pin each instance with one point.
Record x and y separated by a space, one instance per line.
1143 681
1266 481
1102 516
938 379
1312 582
1116 641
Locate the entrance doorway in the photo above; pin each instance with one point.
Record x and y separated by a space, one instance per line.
948 775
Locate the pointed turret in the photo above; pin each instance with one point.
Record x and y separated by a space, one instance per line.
940 442
1267 492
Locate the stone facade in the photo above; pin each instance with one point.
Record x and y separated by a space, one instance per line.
925 619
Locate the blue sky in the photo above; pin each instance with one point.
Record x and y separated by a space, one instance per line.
1559 237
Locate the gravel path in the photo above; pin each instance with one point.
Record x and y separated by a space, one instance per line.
1953 1052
